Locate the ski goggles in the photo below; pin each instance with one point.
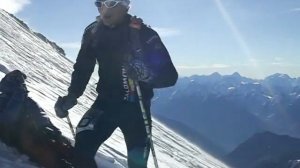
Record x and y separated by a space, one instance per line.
110 3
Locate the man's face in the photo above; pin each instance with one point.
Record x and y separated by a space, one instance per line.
112 16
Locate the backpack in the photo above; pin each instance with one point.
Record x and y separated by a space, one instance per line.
25 126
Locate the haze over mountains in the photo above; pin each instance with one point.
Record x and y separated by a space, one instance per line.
227 110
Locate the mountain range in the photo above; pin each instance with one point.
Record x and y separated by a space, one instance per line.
228 109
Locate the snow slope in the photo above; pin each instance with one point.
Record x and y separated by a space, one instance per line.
49 73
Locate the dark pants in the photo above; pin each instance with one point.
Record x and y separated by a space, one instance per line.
99 123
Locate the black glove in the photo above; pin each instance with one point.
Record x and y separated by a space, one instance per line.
137 70
63 104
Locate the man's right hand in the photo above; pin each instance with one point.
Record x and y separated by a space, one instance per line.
63 104
137 70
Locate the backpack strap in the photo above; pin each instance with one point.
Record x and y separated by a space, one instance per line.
136 23
135 27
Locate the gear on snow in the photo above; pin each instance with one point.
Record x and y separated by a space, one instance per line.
25 126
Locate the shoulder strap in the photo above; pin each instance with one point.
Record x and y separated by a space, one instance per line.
135 27
136 23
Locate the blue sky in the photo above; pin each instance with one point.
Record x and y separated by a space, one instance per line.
253 37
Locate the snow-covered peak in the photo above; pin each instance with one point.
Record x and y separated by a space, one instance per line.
236 74
278 75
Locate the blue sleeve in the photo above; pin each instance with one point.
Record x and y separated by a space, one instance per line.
158 59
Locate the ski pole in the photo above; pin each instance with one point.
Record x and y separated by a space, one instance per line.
146 122
71 126
57 108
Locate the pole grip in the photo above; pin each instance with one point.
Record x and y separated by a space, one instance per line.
71 126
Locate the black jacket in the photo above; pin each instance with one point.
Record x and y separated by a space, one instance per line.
107 46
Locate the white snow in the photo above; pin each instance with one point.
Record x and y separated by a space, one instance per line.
172 95
231 88
268 97
48 77
2 75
